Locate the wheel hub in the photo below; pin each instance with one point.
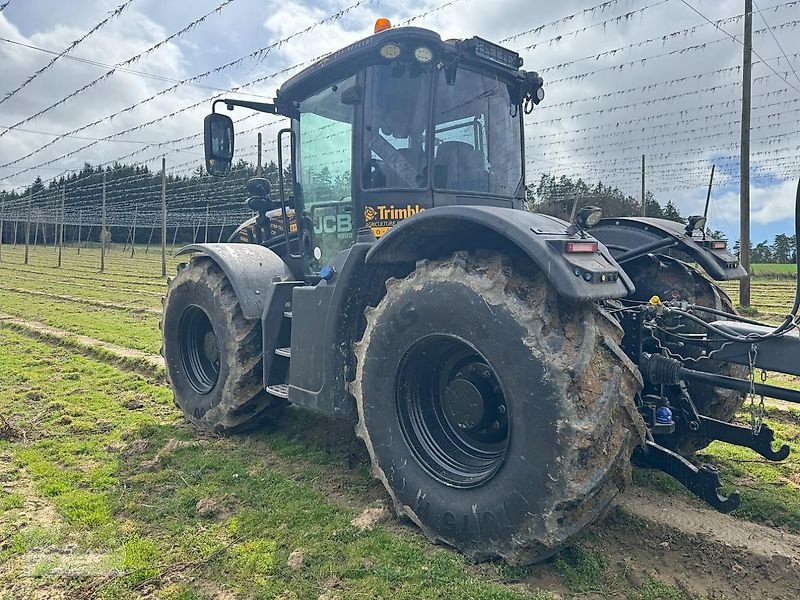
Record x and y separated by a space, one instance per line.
199 349
452 410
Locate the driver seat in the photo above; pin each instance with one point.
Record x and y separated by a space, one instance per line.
459 166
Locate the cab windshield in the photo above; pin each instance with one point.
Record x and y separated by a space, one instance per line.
471 143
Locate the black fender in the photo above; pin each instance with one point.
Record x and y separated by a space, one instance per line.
437 232
621 234
251 269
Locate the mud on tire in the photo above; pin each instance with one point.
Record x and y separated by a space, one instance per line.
480 332
663 277
213 355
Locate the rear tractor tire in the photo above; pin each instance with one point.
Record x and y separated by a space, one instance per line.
670 278
213 355
499 417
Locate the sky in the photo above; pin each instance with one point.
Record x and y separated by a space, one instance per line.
623 78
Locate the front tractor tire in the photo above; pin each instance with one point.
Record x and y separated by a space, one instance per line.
499 417
213 355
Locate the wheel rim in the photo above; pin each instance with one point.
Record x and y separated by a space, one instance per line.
199 349
452 410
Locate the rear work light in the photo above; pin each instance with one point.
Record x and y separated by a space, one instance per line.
585 247
719 245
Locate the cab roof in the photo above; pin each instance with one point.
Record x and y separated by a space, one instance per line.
344 62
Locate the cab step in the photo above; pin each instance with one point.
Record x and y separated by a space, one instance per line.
281 390
287 352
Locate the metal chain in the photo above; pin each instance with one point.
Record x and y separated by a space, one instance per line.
756 412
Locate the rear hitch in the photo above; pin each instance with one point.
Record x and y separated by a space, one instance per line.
739 435
702 480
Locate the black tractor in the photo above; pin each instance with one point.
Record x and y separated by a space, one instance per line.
502 367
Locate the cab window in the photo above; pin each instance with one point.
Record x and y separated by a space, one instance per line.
477 141
323 171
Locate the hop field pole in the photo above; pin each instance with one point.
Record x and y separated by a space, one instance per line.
28 226
61 230
2 226
708 194
36 233
744 156
150 238
133 235
644 201
103 228
259 168
172 250
221 229
80 225
16 222
164 217
57 214
207 216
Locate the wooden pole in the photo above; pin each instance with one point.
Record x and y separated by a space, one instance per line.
16 222
88 236
708 194
163 216
644 201
80 226
36 233
259 169
207 215
2 225
28 227
57 214
174 237
61 231
744 158
221 229
133 236
103 229
150 239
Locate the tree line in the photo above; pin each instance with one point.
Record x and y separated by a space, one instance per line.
134 187
557 197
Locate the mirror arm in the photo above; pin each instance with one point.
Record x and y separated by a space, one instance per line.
259 106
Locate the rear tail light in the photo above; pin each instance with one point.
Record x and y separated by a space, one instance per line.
576 247
719 245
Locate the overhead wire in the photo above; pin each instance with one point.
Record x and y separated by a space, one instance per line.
115 13
777 43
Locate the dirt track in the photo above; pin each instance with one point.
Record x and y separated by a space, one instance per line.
704 551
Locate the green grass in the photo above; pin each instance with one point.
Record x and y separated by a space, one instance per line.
122 487
131 329
294 485
768 269
139 511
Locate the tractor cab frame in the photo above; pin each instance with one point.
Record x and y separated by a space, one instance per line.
388 127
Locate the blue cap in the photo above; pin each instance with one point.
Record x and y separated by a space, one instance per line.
663 415
327 272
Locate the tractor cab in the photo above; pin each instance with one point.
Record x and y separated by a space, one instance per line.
390 126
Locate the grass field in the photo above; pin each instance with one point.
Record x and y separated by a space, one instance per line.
106 492
767 269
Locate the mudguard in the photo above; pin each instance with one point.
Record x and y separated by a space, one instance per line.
621 234
437 232
251 269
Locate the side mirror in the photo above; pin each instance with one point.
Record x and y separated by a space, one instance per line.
218 130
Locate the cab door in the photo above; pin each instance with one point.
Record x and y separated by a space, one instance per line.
324 196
